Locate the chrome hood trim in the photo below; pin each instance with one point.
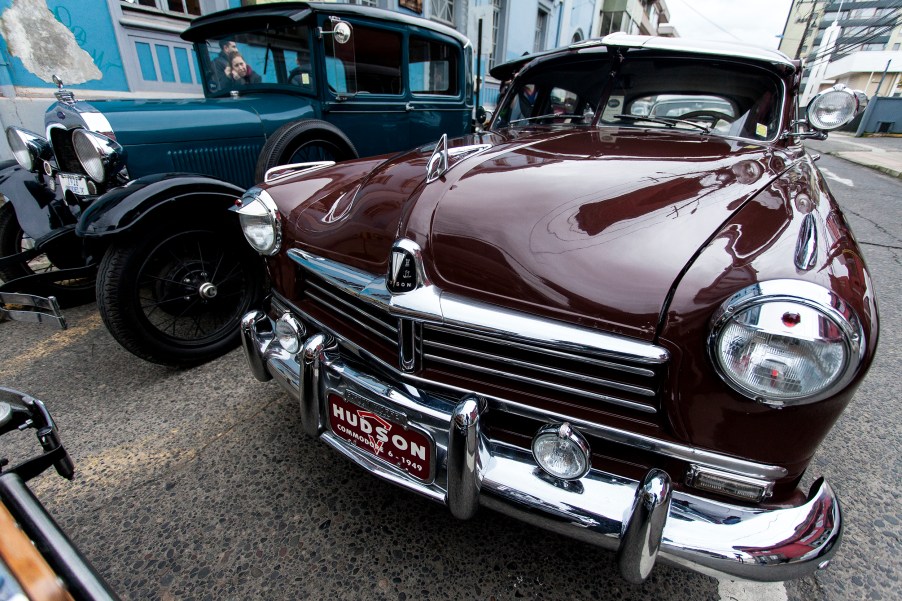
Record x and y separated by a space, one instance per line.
430 304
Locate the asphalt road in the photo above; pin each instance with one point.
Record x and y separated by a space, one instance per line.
198 484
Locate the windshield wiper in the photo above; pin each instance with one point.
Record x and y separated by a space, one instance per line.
664 121
549 116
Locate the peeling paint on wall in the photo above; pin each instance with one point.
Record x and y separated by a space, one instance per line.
44 45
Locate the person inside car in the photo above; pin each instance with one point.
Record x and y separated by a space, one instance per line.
240 72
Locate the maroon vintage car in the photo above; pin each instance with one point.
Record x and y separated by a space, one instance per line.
630 328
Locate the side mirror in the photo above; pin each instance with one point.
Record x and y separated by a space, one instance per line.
835 108
482 116
342 32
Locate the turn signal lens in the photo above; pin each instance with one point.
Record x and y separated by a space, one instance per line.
561 451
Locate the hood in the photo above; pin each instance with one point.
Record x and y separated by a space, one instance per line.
589 226
137 122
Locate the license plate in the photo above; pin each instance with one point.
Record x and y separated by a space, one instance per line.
403 447
75 183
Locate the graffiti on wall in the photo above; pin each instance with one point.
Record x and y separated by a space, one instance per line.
45 46
81 37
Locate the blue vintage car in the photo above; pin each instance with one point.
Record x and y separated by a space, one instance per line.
137 189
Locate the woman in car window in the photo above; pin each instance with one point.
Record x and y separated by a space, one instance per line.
240 72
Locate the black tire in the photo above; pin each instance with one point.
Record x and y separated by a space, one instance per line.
303 142
63 255
153 293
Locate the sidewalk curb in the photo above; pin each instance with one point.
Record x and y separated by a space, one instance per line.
886 170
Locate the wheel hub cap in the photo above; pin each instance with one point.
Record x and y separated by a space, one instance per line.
207 290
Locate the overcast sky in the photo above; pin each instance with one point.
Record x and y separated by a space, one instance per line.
752 21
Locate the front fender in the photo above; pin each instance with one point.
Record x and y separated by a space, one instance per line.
39 209
121 209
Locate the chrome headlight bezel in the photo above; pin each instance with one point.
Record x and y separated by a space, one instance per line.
29 149
808 297
840 103
98 155
259 210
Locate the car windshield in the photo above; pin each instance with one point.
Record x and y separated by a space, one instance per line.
258 59
694 94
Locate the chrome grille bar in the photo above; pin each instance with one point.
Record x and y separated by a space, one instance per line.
337 310
640 390
639 371
543 383
384 321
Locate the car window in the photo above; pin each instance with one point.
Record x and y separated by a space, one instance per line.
555 94
727 98
682 93
433 67
255 59
377 63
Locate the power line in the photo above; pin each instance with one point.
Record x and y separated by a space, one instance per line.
690 7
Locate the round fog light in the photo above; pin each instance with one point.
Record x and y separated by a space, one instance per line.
289 332
561 451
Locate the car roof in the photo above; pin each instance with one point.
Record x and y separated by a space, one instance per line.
283 14
680 45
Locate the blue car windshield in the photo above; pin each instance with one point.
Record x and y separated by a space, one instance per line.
258 59
692 94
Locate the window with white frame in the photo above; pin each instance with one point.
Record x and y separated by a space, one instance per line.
496 28
443 10
541 30
184 7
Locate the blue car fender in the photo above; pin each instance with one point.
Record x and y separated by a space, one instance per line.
123 209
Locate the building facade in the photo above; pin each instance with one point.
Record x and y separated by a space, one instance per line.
132 49
854 42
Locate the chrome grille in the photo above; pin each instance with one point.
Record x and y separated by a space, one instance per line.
519 368
352 311
576 378
64 151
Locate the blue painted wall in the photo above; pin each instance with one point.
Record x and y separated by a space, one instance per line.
521 29
90 23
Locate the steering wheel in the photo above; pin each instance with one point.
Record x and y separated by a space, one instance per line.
706 115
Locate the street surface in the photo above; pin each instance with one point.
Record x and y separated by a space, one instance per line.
199 485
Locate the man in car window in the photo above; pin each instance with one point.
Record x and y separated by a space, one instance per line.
227 46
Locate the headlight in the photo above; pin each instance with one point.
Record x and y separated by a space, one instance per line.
28 147
835 107
785 342
99 155
260 221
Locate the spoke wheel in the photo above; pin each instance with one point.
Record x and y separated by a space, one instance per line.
66 254
175 296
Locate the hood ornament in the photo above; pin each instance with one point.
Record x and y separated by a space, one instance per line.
64 96
440 161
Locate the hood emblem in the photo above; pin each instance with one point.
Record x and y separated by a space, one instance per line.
402 276
405 267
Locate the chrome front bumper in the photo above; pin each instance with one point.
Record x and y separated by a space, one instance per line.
640 521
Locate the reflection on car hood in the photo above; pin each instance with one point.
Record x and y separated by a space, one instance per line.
591 226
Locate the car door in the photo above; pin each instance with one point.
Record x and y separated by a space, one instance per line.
438 103
365 95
